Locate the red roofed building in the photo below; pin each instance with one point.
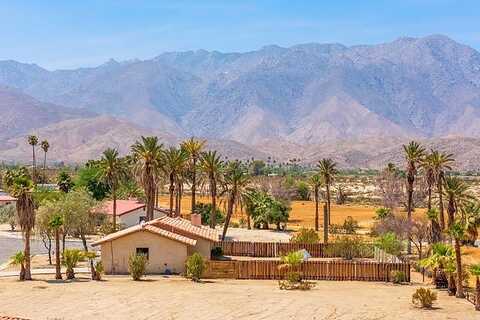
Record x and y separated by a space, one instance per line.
129 212
5 199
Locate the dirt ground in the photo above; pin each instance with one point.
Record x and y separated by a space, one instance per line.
176 298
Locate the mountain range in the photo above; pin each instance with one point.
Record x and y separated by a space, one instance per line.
357 104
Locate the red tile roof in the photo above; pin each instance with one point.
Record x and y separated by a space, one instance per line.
123 207
147 228
184 227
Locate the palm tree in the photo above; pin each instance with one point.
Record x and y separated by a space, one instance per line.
428 166
457 231
33 141
316 183
174 162
112 171
194 149
56 223
147 158
64 182
45 147
414 154
440 163
212 168
457 193
21 188
471 215
327 170
475 271
236 180
439 259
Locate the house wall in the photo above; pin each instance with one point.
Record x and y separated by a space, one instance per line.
204 247
163 253
133 218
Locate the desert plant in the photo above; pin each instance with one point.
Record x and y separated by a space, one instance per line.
389 243
349 248
424 298
293 281
195 267
19 259
137 265
475 271
99 270
398 277
304 235
382 213
70 259
350 225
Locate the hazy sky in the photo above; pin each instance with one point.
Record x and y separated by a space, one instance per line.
75 33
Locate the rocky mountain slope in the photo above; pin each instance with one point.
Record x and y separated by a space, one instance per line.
353 103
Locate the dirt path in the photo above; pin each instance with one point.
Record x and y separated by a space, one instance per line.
175 298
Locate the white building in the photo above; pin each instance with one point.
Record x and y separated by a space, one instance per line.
130 212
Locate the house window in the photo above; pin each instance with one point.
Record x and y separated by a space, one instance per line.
143 251
142 219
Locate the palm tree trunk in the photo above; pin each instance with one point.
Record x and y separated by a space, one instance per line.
316 209
114 194
231 202
458 259
328 206
213 214
194 183
171 191
440 202
45 167
58 272
477 295
410 181
28 274
429 203
451 212
325 224
34 165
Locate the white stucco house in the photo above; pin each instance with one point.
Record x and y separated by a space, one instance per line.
130 212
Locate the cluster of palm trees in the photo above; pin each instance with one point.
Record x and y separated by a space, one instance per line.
32 140
451 192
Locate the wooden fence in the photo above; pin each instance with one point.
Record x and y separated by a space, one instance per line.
276 249
312 270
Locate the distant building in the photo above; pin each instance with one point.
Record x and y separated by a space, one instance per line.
167 242
130 212
6 199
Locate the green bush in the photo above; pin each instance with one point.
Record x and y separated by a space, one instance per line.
216 252
398 277
137 265
349 248
382 213
70 259
303 192
195 267
99 270
304 235
389 243
424 298
350 225
204 209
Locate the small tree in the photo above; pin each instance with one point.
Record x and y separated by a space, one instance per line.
390 244
137 265
475 271
291 262
55 223
7 215
71 257
195 267
350 225
19 260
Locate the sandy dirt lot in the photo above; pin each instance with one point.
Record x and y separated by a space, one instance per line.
176 298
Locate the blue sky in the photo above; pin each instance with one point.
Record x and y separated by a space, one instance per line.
68 34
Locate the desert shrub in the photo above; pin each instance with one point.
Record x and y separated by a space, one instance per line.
204 209
8 215
242 222
18 259
335 229
293 280
234 224
389 243
216 252
137 265
304 235
350 225
383 213
398 277
70 259
349 248
424 298
99 270
302 190
195 267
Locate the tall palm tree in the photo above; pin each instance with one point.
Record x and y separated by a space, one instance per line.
441 162
174 163
212 168
147 162
45 147
194 149
457 231
414 154
56 223
235 183
112 171
327 170
428 166
458 196
33 141
475 271
316 182
21 188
